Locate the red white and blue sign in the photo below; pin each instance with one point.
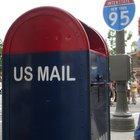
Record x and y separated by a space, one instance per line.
118 14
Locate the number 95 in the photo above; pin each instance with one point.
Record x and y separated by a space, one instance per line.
124 18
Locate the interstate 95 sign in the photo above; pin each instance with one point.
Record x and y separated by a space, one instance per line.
118 13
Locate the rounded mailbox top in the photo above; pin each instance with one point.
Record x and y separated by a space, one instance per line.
45 29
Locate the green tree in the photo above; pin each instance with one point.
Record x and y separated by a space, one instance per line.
111 40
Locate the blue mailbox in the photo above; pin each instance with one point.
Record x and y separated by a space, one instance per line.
55 70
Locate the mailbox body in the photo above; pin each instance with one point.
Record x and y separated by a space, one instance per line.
46 79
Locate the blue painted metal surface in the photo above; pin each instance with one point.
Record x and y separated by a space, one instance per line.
45 109
99 97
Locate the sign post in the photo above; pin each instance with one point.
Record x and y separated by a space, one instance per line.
118 14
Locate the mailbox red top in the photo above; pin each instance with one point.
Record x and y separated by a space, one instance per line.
97 43
50 29
45 29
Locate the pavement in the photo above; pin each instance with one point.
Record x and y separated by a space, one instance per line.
135 110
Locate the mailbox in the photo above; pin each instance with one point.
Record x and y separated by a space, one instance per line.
55 74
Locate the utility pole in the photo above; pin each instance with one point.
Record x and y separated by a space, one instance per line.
122 119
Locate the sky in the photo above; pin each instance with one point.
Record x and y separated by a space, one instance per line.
88 11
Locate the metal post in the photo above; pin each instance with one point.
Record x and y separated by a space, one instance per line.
122 119
120 43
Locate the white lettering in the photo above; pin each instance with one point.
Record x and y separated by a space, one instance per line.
55 74
29 75
62 74
43 75
20 76
68 75
23 74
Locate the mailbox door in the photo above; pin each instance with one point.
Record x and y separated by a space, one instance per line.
99 97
